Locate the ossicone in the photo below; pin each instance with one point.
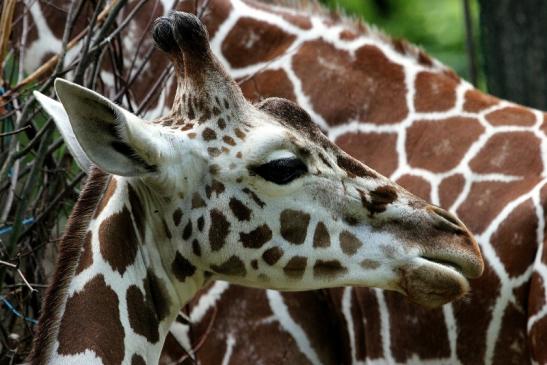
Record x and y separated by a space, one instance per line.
183 34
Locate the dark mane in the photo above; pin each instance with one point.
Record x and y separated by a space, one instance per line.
69 254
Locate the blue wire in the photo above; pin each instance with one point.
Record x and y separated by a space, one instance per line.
12 309
8 229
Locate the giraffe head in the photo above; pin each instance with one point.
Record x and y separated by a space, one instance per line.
257 195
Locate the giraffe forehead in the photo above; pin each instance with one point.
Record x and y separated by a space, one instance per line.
265 139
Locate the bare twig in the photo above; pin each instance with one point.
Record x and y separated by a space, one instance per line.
8 8
17 131
8 264
53 61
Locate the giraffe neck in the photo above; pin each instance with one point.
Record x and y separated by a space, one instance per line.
121 292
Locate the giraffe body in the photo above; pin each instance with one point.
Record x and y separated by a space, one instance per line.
415 121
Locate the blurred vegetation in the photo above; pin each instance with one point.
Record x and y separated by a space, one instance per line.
436 26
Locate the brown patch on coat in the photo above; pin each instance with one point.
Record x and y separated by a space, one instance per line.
434 92
475 101
512 153
257 237
182 268
217 187
417 185
473 317
536 336
419 323
201 223
196 248
187 232
166 229
517 233
240 46
321 236
511 116
214 169
231 267
354 168
512 345
348 35
240 134
219 229
294 226
94 311
369 264
197 201
118 240
86 257
378 199
377 150
177 215
272 255
213 151
255 198
137 360
157 294
487 199
349 243
142 318
110 189
450 188
368 75
208 134
543 126
146 313
439 146
240 210
296 267
216 13
323 269
229 140
266 84
537 294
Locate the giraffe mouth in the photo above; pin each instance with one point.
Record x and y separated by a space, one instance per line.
463 263
446 263
432 282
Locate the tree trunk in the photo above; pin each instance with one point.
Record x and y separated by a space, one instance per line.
514 41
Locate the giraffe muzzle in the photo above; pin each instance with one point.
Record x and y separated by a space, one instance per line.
460 250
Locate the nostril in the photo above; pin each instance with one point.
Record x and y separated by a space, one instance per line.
447 221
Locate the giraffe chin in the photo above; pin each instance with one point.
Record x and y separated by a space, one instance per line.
432 284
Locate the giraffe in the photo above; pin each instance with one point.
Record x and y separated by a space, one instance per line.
223 189
411 118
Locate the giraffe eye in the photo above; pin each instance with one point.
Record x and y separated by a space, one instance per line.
281 171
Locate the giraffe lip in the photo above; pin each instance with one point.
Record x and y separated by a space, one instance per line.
468 265
432 283
445 263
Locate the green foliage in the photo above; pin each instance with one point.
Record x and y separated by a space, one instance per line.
437 26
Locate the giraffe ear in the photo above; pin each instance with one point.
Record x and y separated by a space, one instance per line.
58 113
114 139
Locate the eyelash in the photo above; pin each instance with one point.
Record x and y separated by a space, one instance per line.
281 171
